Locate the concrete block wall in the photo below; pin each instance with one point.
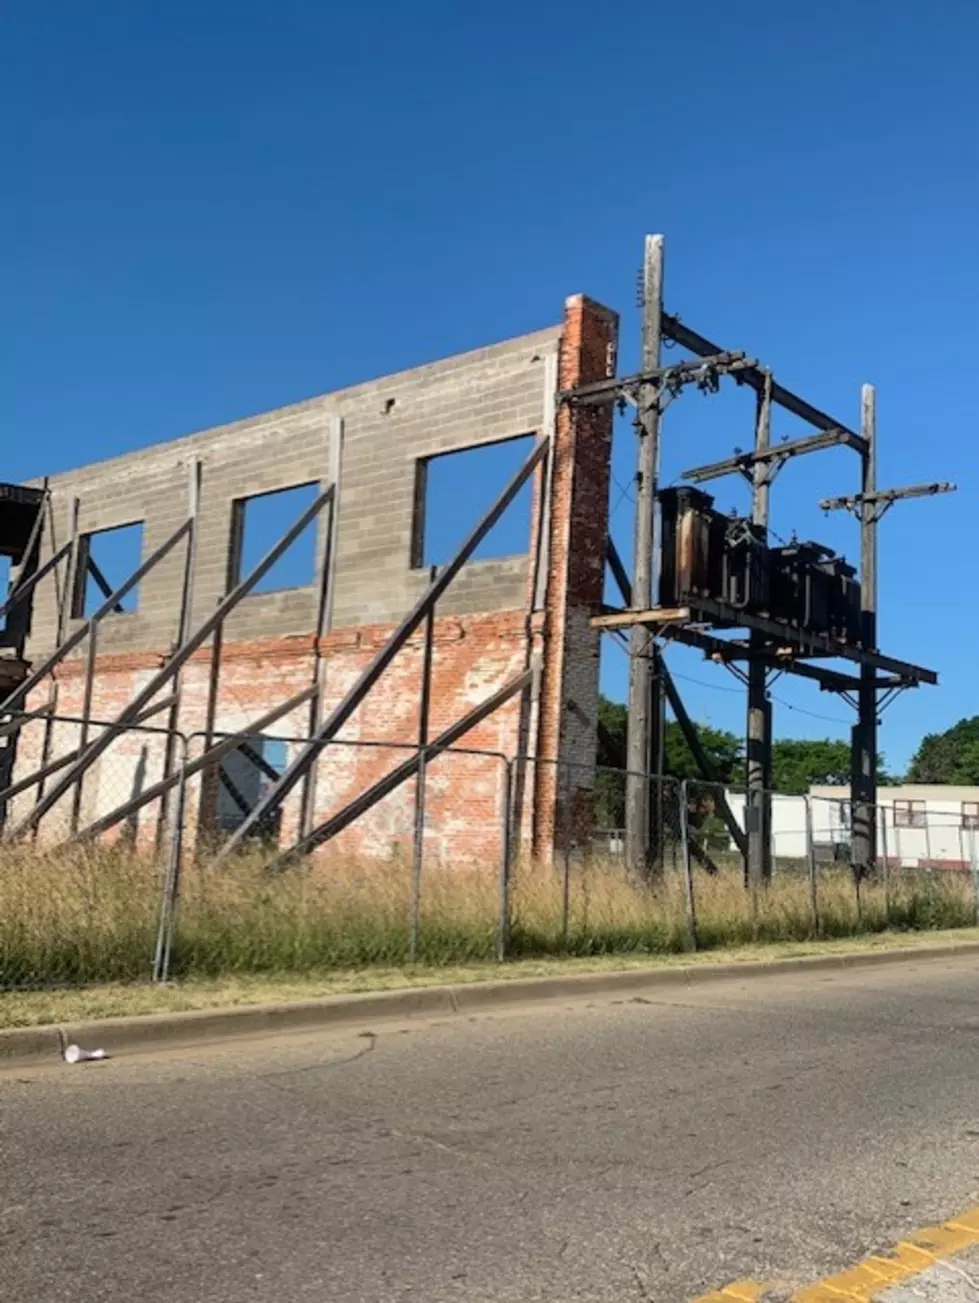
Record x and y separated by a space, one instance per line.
485 632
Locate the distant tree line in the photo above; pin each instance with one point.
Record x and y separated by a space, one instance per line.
797 763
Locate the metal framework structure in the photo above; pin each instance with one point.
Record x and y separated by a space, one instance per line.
68 770
770 645
764 647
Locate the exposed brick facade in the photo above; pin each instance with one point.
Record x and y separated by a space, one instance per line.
487 630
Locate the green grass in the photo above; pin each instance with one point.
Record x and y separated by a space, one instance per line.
118 999
89 914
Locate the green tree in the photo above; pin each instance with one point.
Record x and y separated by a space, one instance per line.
800 763
949 757
723 750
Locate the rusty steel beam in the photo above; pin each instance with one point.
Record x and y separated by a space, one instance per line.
176 661
346 707
73 639
401 773
209 757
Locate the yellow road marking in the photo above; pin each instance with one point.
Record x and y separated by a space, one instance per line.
872 1275
742 1291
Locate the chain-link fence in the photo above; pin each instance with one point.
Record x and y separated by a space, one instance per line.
583 898
116 869
121 874
86 850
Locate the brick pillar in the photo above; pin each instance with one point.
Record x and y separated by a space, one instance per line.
579 507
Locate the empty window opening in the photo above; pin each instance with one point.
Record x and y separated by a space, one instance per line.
106 559
970 815
454 490
258 524
244 777
6 574
909 814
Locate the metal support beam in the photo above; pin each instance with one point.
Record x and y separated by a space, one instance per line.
324 616
746 462
103 585
64 601
54 766
689 730
345 708
418 839
401 773
184 626
258 760
31 581
619 573
642 707
69 643
87 694
16 724
863 745
179 658
211 756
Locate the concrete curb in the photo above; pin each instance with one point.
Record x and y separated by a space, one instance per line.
152 1031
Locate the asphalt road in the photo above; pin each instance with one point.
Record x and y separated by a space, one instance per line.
777 1127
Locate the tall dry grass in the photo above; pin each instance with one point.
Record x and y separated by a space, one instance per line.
89 914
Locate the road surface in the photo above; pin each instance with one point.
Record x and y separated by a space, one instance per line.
777 1128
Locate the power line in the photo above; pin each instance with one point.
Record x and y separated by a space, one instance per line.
721 687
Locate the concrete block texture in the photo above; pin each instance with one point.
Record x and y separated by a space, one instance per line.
495 618
491 394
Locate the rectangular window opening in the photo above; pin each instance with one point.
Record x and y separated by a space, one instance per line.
909 814
970 815
244 777
106 559
257 525
6 571
454 490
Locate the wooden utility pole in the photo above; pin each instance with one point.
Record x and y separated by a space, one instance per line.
640 754
759 730
863 743
868 506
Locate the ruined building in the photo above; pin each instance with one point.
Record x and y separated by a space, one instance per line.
514 662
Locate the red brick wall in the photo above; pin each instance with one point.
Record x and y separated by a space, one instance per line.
474 656
576 566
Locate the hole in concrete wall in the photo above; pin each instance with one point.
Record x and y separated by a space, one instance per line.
106 559
6 566
455 489
244 776
259 523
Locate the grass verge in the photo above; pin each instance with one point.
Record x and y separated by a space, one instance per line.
87 916
121 999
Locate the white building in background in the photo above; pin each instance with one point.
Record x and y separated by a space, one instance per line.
918 825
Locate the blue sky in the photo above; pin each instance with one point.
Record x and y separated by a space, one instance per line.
213 209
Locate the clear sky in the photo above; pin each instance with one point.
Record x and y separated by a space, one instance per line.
215 208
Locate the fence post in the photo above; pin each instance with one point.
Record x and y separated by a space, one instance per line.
171 882
689 901
566 885
811 871
882 810
974 870
417 851
503 923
